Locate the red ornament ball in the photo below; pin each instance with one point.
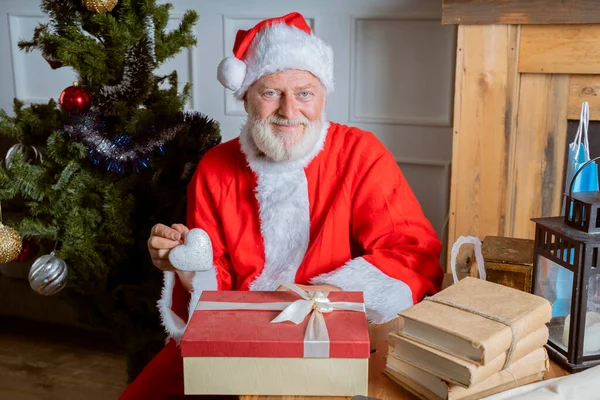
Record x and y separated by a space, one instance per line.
75 99
29 252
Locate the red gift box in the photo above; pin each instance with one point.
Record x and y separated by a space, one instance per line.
215 341
250 333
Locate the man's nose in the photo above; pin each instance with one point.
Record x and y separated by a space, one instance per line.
288 107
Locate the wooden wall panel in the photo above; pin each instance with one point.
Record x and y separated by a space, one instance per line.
584 88
539 152
485 105
560 49
520 11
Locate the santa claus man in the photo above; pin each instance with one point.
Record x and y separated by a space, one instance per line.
295 198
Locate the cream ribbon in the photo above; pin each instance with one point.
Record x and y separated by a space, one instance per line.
316 336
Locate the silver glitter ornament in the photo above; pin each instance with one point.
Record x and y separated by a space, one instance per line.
195 254
48 275
31 153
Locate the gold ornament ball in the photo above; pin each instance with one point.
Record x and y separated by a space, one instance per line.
100 6
10 244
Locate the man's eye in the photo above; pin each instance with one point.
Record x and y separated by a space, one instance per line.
270 93
305 95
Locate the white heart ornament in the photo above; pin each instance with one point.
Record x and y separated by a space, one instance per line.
195 254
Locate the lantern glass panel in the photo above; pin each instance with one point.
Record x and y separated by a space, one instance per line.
591 338
555 283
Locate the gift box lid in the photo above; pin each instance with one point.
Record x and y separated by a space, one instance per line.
250 333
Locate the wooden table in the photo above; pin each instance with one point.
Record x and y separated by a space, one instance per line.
380 386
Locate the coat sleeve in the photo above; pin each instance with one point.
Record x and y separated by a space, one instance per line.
399 262
176 304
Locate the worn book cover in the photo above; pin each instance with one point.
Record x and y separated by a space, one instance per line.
454 369
424 385
471 336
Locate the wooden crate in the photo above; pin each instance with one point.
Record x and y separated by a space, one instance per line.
508 261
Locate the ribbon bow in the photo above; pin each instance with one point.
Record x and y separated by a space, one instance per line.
316 337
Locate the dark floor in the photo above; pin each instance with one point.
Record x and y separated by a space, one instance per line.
49 362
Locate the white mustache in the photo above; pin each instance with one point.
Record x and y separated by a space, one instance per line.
288 122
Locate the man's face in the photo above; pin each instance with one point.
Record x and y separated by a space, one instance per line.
285 114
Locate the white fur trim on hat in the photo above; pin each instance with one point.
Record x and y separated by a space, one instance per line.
231 73
280 47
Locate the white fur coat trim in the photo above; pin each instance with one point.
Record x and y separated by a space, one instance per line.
175 326
282 194
279 48
385 297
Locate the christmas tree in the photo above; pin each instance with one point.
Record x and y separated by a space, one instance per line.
89 176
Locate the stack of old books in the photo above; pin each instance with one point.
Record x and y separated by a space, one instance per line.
471 340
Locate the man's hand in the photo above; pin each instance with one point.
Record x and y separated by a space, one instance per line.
162 240
314 288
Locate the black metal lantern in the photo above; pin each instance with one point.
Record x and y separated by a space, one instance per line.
566 272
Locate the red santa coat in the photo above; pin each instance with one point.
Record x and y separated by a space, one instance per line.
342 215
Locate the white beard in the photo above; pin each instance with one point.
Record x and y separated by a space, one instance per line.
284 146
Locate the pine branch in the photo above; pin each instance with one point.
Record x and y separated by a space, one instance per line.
8 186
35 228
62 12
172 43
161 17
62 151
186 93
84 53
37 123
116 39
116 224
135 80
65 176
8 128
37 209
28 178
40 33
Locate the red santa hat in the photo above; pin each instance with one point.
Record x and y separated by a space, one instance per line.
273 45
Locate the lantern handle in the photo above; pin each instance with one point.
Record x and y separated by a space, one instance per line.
578 172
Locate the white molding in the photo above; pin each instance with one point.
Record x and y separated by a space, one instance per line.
14 49
27 14
445 121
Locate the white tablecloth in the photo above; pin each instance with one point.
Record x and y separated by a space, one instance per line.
583 385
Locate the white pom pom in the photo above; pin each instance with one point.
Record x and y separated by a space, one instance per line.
231 73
